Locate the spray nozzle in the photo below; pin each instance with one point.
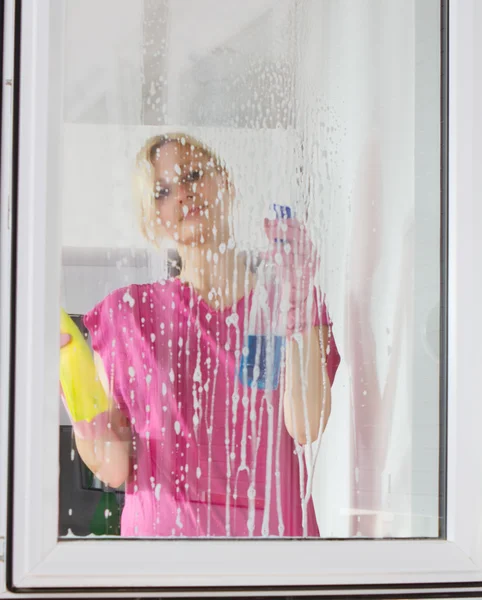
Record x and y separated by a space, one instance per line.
282 212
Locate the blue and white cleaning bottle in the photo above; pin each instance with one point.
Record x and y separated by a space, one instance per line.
265 334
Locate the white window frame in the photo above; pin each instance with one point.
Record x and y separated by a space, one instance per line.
37 561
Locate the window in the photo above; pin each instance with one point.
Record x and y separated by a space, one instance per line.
241 208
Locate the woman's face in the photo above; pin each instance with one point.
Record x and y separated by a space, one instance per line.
191 199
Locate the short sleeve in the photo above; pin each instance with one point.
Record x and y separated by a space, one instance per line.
322 319
106 324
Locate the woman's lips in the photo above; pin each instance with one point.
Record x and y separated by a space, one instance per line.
193 211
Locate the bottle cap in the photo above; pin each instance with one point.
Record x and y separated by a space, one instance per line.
282 212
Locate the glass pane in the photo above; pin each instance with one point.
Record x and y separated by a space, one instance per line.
251 262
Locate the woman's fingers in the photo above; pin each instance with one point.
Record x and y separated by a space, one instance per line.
291 257
64 339
289 231
284 229
292 251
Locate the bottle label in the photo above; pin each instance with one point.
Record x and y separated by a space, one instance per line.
261 361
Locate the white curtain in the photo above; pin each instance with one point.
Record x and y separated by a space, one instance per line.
370 101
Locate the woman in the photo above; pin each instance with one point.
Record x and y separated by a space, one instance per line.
202 452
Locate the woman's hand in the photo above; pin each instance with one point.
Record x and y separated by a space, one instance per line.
104 443
307 397
296 260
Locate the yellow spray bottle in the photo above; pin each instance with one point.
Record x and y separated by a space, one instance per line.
84 395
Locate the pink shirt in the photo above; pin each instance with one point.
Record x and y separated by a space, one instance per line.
211 458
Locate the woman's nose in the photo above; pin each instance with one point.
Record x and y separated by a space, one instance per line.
183 193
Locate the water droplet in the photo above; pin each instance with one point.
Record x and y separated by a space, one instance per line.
129 299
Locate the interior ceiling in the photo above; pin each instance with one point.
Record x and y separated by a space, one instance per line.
154 42
198 27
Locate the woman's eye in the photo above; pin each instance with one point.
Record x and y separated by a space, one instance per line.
193 176
161 191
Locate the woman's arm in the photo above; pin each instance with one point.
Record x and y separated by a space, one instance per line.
108 455
307 398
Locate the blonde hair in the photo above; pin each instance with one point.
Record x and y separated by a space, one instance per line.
144 175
